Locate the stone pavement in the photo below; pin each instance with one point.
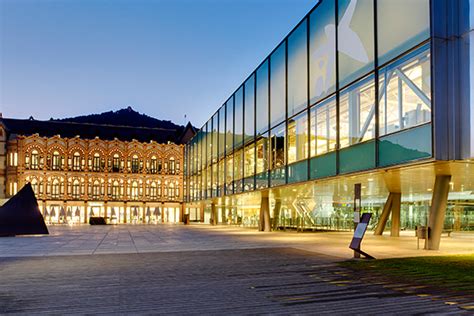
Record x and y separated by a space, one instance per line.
86 239
215 282
177 269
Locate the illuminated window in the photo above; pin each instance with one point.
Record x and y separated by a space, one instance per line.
115 163
298 138
96 162
153 191
76 161
176 189
134 191
153 165
116 190
55 189
405 93
96 189
76 189
172 165
34 159
135 164
356 113
323 117
56 163
34 186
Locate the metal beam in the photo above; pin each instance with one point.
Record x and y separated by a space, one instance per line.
414 88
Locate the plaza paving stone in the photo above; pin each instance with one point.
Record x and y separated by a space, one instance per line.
176 269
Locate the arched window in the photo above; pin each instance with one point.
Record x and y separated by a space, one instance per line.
34 159
176 189
56 163
76 161
153 165
158 188
76 189
116 163
153 191
116 190
135 164
96 189
171 191
34 186
172 165
55 189
96 162
134 191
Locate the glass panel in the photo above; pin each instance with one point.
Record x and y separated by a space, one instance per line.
209 141
249 121
262 154
322 56
355 39
298 138
323 166
221 176
405 146
249 165
297 70
229 127
277 147
215 135
262 98
277 155
323 127
406 100
221 131
277 85
358 157
298 171
239 117
357 112
229 174
410 18
238 170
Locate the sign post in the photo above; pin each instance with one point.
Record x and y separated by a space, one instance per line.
359 235
357 207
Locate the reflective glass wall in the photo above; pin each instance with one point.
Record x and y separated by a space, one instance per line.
349 89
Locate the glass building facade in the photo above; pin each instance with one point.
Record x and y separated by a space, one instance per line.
348 91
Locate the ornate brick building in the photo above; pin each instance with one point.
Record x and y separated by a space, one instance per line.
77 170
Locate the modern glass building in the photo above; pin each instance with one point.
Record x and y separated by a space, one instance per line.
376 92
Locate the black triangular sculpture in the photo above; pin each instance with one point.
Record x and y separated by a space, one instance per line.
20 215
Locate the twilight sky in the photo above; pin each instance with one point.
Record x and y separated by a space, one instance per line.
166 58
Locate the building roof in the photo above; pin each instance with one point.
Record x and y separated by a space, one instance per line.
90 131
106 126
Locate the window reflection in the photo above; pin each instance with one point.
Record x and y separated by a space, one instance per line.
262 154
277 85
357 113
249 160
298 138
277 147
405 93
323 127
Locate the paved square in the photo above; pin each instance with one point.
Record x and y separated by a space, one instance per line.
175 269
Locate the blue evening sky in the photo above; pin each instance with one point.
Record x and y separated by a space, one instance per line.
166 58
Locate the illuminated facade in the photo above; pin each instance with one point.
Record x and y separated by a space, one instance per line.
360 91
74 178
